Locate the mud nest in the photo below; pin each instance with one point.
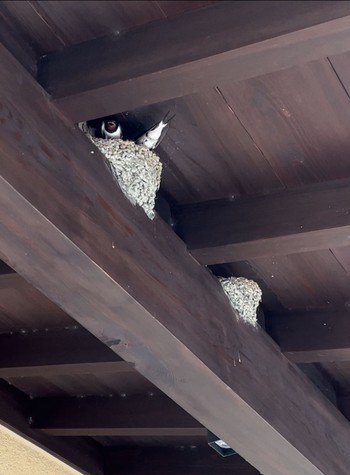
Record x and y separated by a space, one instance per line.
244 295
136 169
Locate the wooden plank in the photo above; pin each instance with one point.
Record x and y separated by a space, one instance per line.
12 281
140 415
15 41
342 254
309 281
321 379
173 461
186 53
307 219
307 109
131 282
339 372
83 455
207 153
56 352
312 337
344 405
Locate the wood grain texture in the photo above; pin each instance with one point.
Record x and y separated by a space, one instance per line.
16 40
148 299
84 455
207 153
342 254
298 119
308 281
189 461
56 352
306 219
140 415
312 337
339 371
22 307
187 53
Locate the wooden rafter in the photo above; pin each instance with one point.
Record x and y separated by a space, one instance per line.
15 413
310 218
152 461
131 282
56 351
153 415
200 49
313 337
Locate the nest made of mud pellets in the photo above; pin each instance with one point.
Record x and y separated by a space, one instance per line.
244 295
136 169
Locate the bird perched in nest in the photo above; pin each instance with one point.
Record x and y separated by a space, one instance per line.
111 129
153 136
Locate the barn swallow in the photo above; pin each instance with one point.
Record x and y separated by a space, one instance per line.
110 129
153 136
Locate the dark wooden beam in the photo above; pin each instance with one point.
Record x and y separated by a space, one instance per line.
312 337
344 404
310 218
83 455
14 41
71 350
167 461
321 379
229 41
12 281
152 415
68 229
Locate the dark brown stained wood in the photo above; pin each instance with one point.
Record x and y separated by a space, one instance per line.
307 281
298 119
16 42
141 415
307 219
207 154
344 405
341 65
159 442
22 307
56 352
146 297
176 7
76 22
229 41
312 337
342 254
83 455
12 281
82 385
321 379
339 371
49 26
166 461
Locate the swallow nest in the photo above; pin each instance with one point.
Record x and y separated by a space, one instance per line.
136 169
244 296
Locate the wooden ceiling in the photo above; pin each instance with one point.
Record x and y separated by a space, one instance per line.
119 360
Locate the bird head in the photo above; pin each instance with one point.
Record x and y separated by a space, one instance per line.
111 126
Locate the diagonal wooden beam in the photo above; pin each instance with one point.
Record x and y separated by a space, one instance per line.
229 41
310 218
60 351
152 415
312 337
167 461
83 455
131 282
12 281
16 42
